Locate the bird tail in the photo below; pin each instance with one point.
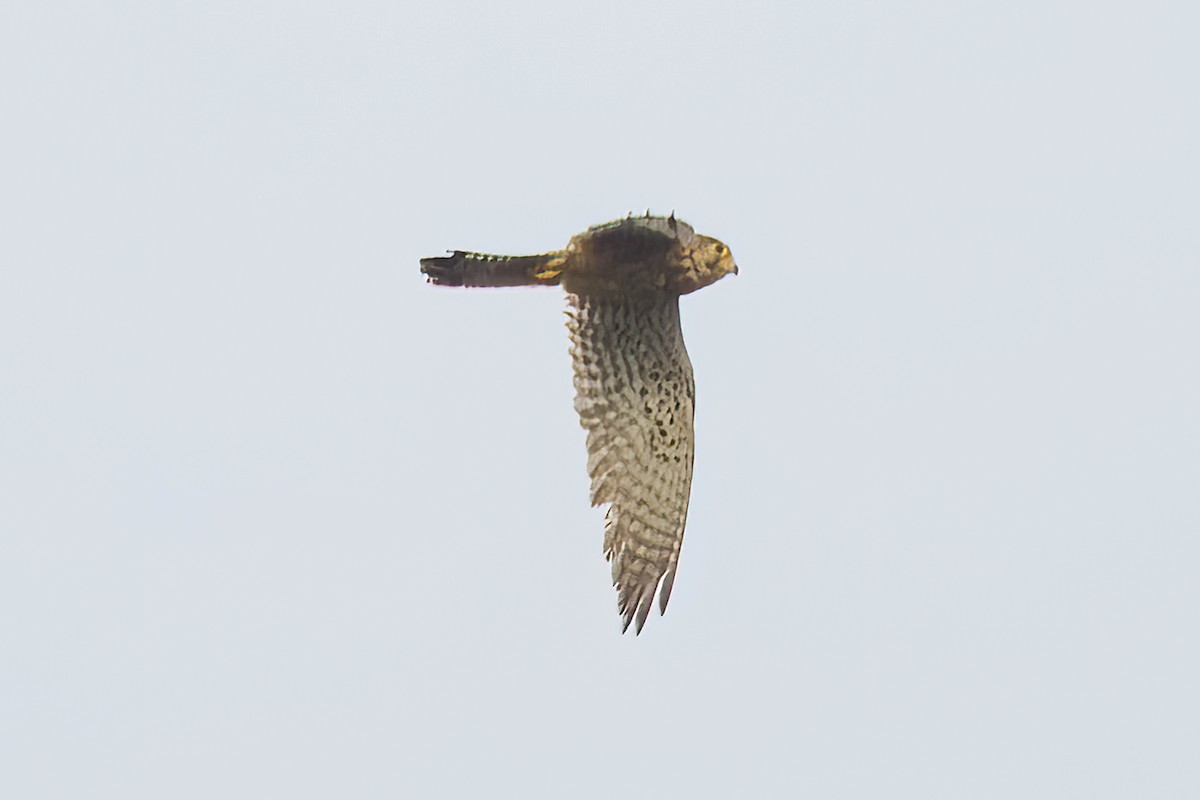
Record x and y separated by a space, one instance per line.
461 268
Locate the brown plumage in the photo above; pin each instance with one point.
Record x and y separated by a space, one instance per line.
633 379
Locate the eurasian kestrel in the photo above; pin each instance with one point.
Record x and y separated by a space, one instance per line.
633 379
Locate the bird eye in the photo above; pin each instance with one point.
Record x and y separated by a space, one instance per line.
720 249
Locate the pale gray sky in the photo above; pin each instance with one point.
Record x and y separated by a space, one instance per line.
280 520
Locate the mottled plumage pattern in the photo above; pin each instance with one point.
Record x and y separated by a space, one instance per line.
634 394
633 380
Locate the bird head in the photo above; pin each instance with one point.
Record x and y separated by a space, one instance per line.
705 260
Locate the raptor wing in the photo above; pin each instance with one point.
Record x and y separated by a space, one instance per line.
635 397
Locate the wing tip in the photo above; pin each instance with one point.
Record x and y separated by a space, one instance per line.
664 590
635 608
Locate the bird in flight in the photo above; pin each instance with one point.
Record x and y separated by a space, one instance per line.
633 379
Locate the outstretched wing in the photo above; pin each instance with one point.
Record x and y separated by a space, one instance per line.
635 394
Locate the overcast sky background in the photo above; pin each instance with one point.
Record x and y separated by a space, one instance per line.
280 520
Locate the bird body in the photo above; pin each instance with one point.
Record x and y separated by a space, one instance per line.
633 380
